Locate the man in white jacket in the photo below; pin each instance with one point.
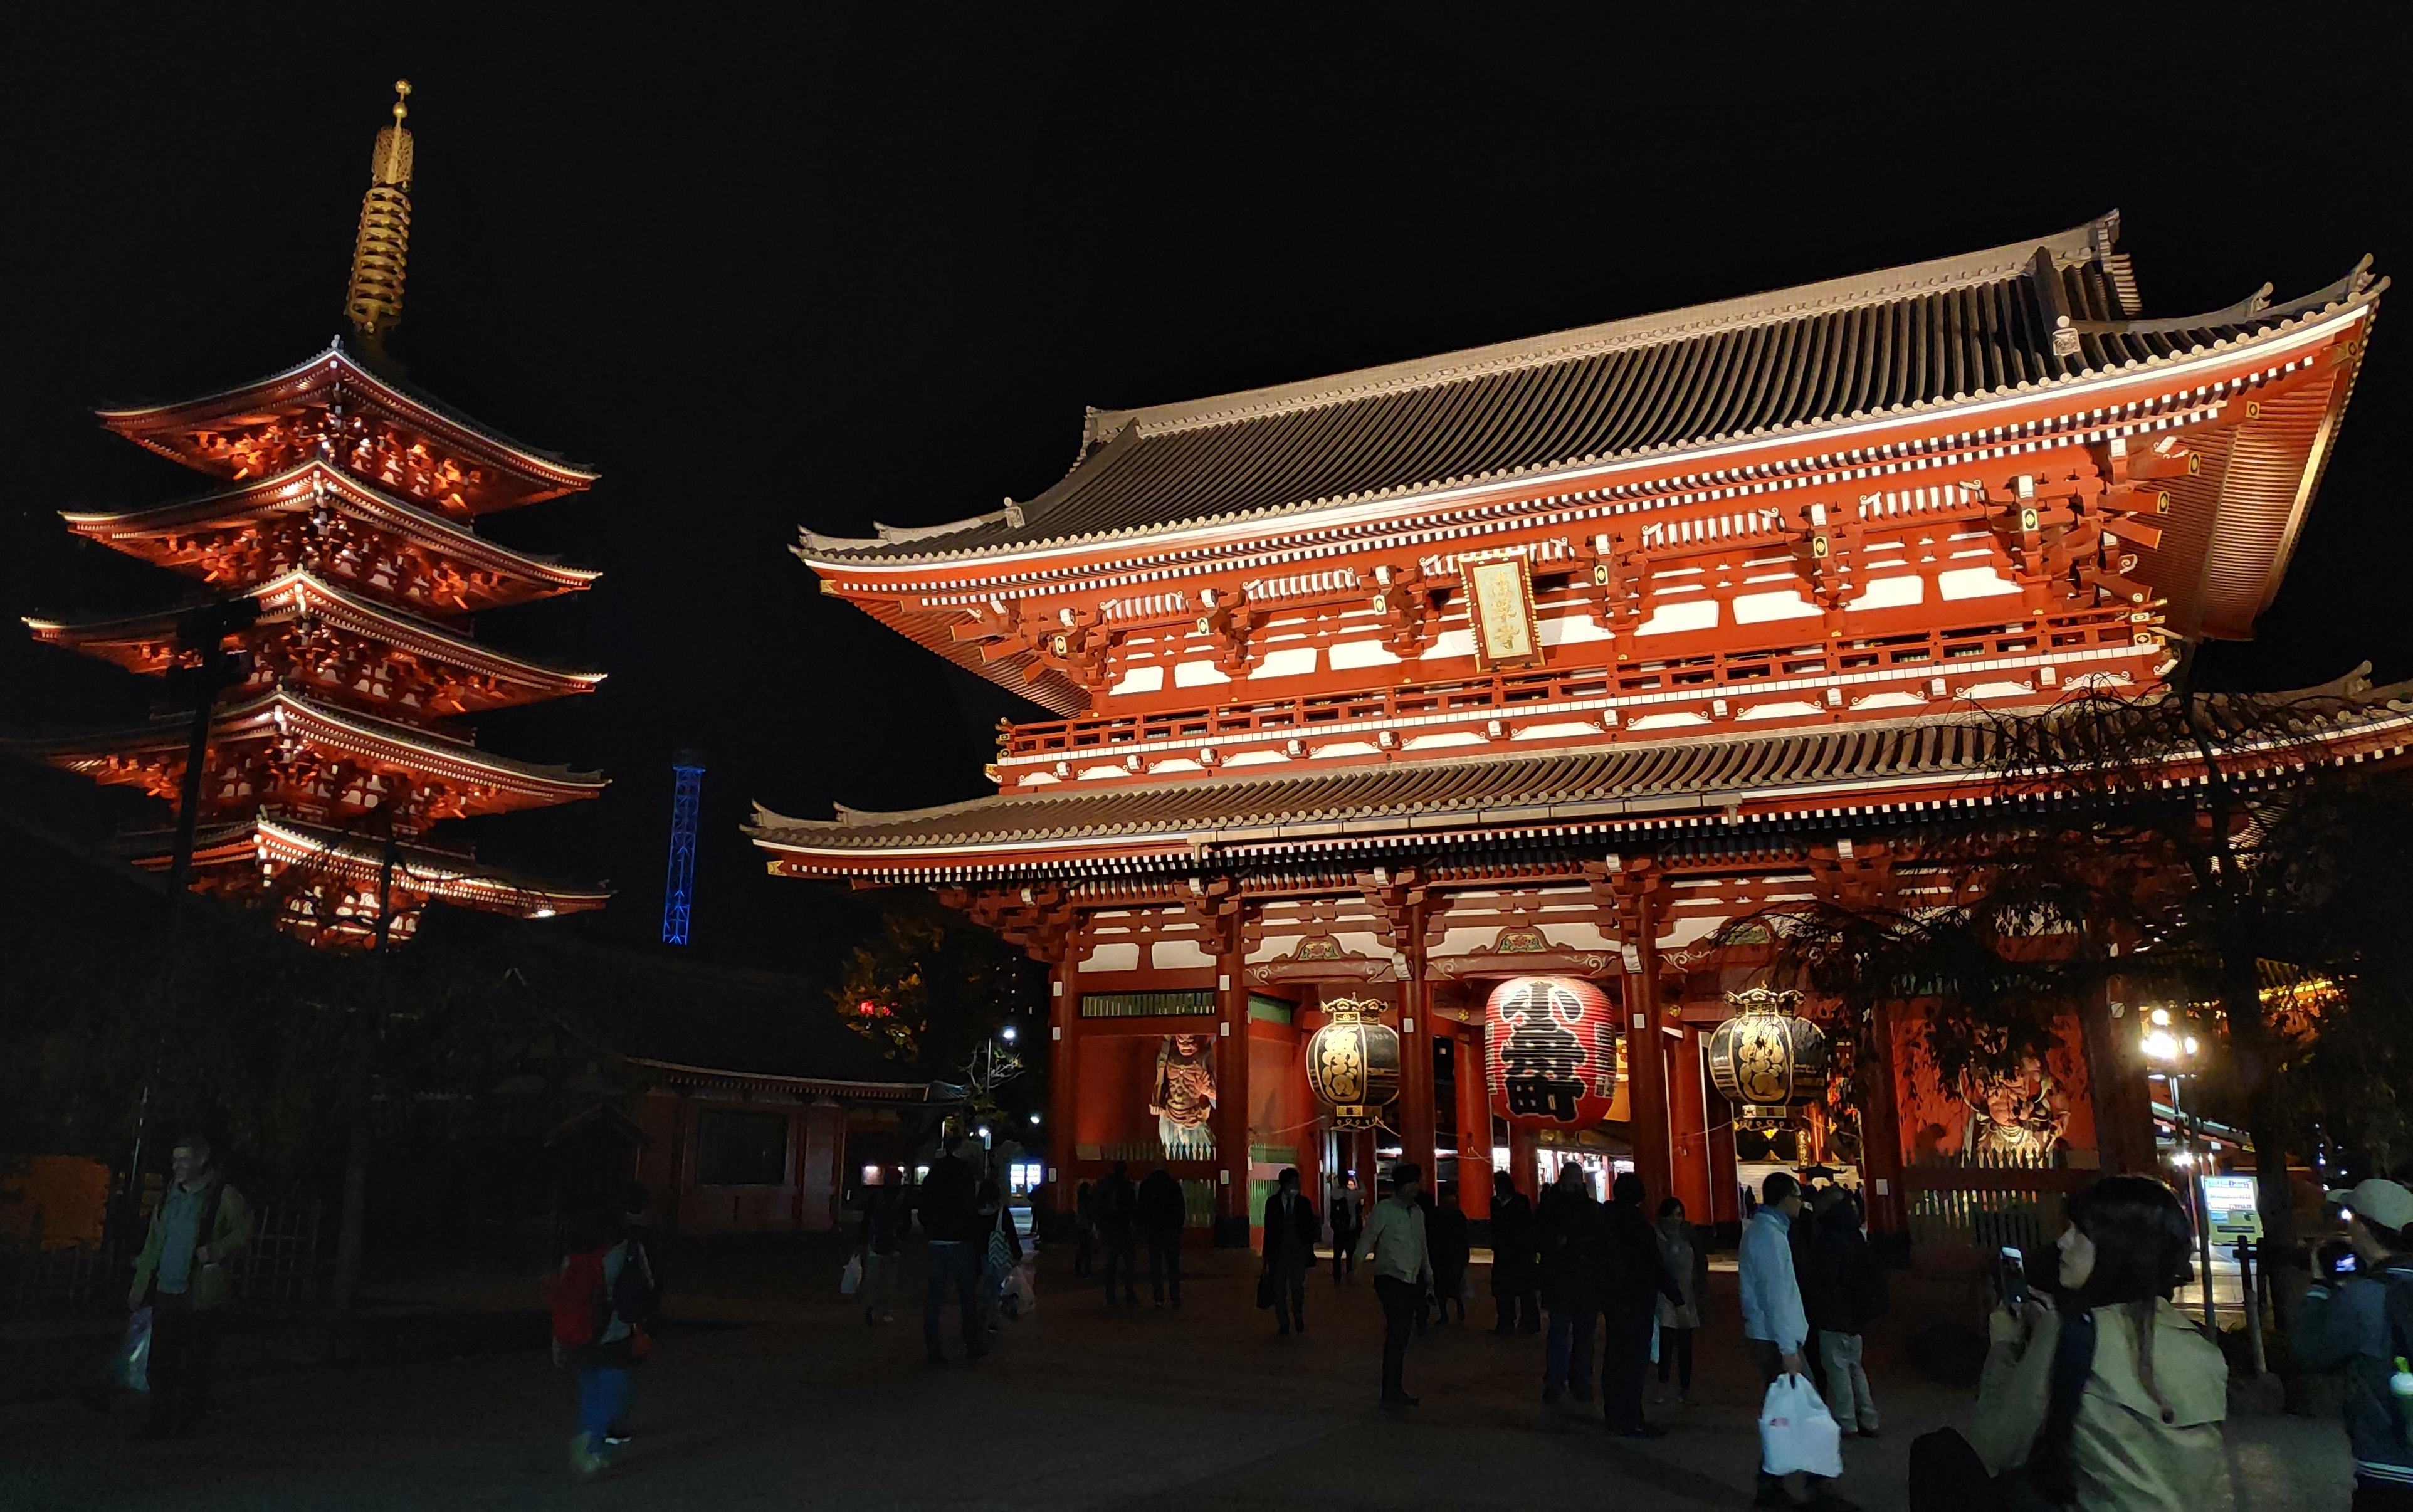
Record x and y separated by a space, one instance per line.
1774 1328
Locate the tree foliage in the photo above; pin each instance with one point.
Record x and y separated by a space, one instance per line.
929 988
2187 848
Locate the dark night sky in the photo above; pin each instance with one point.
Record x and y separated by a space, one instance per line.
830 264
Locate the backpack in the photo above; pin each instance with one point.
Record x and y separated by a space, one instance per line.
581 1307
632 1290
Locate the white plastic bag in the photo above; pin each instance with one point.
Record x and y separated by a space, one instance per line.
130 1367
1796 1432
1019 1294
851 1281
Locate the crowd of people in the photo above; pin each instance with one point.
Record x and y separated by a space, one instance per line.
2097 1391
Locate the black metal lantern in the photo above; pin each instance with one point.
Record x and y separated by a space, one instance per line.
1353 1063
1767 1059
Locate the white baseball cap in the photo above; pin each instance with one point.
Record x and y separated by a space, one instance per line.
2382 1202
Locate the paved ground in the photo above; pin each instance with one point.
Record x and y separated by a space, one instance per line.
772 1392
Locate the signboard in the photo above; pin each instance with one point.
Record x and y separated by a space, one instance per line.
2228 1209
1500 610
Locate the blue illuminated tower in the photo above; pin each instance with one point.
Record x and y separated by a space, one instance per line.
687 794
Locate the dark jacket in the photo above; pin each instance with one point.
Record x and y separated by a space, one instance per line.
882 1229
1348 1211
1116 1204
1843 1291
2349 1324
1293 1246
1570 1229
1445 1239
1162 1210
949 1209
1512 1244
1633 1276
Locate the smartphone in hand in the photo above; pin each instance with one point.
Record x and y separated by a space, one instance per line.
2011 1279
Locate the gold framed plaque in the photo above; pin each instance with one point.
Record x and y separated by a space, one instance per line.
1500 610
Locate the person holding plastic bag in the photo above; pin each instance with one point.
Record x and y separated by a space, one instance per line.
180 1276
1775 1330
2109 1397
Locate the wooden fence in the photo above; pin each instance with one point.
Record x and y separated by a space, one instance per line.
288 1264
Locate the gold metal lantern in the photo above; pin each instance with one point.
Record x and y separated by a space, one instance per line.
1767 1059
1353 1063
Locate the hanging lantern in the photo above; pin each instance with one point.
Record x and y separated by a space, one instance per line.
1353 1063
1767 1059
1553 1052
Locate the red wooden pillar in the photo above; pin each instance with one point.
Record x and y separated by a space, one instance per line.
1417 1131
1647 1054
1063 1084
1474 1128
1232 1134
1881 1138
2117 1090
1525 1161
1688 1111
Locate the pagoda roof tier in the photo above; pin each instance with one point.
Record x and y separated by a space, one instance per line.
389 434
318 515
295 754
2024 318
1658 791
325 882
342 645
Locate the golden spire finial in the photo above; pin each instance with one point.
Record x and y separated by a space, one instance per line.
374 299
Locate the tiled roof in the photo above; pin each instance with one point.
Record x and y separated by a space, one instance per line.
1822 769
1929 333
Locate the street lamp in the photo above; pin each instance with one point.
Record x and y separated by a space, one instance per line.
2174 1052
1008 1034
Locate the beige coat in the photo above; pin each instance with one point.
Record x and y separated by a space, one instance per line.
2135 1451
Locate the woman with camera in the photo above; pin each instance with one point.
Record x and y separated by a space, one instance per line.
2106 1397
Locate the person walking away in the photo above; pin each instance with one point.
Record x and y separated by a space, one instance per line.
951 1220
2108 1398
1569 1223
1446 1228
2359 1317
1084 1230
1512 1258
199 1224
1683 1251
1118 1214
1001 1248
1844 1294
602 1298
1634 1285
1802 1234
637 1233
1775 1330
1348 1209
1162 1215
1395 1243
880 1244
1291 1229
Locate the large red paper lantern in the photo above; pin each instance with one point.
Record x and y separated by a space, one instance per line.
1552 1052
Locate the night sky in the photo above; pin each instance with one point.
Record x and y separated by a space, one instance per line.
837 264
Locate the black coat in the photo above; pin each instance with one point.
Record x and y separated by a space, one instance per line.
1116 1206
1633 1274
1843 1291
1569 1226
1162 1210
1445 1239
1293 1245
1512 1244
947 1204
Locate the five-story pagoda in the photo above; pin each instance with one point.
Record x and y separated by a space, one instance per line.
335 654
